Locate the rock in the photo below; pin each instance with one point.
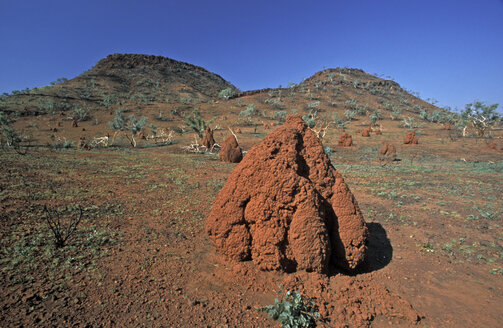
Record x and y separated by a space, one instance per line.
208 140
345 140
366 132
387 151
230 151
285 207
410 138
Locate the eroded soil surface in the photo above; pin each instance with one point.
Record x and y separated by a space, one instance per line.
141 256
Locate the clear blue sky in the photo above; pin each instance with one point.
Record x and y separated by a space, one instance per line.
450 50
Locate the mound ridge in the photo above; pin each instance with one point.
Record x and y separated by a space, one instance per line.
287 208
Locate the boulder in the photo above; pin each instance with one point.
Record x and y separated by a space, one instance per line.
345 140
208 140
285 207
230 151
410 138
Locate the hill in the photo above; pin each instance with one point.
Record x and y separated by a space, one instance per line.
121 79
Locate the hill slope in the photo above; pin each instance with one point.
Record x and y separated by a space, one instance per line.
122 79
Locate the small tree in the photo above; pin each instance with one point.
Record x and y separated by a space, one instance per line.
226 93
129 125
9 137
197 123
480 116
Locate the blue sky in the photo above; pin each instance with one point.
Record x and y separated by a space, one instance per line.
450 50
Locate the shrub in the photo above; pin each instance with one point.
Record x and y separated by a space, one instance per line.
351 104
59 81
62 232
280 116
292 312
424 115
481 116
9 136
129 125
109 100
251 110
408 123
310 118
313 105
396 112
375 116
226 93
80 114
196 123
350 115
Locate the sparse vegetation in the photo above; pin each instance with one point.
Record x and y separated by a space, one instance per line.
196 123
226 93
292 311
129 125
62 231
482 117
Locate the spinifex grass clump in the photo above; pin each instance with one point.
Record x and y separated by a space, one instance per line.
292 311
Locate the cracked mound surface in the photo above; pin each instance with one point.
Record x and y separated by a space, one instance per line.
287 208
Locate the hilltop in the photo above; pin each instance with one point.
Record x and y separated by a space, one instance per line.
121 79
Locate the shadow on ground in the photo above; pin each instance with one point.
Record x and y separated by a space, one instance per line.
380 251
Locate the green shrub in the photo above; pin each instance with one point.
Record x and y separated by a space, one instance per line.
109 100
226 93
310 118
292 311
249 112
350 115
80 114
196 123
129 125
313 105
396 112
280 116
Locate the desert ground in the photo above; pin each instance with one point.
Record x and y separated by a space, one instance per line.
141 257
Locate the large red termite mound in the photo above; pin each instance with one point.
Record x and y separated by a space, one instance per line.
287 208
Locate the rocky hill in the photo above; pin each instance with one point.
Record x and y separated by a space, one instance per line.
122 79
